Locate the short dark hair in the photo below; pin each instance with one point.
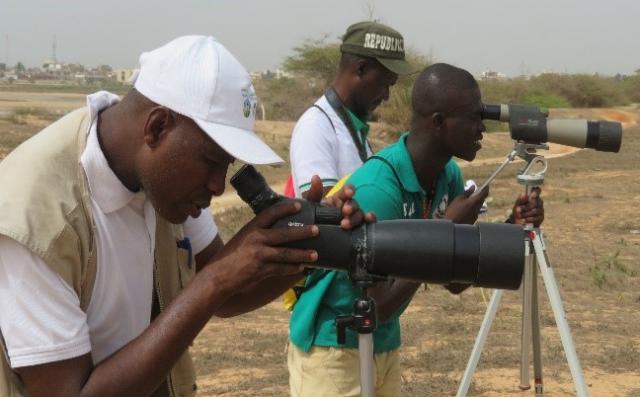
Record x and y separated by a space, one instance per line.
436 87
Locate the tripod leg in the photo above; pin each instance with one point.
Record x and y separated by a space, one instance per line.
559 314
367 377
535 332
525 343
489 316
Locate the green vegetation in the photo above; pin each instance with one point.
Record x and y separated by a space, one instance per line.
562 90
314 59
314 64
612 269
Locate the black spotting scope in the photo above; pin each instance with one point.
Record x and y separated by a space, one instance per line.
530 124
435 251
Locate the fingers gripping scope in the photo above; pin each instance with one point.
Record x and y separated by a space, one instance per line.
435 251
530 124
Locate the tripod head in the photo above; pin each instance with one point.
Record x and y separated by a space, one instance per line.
532 174
529 175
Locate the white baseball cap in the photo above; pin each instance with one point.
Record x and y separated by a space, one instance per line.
198 78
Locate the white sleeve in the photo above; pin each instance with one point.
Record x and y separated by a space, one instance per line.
40 316
314 150
201 230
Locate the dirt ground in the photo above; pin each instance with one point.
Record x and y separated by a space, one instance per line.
592 233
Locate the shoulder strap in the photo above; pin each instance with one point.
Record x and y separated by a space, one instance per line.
325 113
338 106
388 163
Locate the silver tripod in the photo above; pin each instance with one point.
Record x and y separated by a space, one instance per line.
536 259
364 321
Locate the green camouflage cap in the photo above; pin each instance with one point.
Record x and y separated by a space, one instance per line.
375 40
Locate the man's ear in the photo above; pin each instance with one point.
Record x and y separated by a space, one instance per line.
160 121
361 67
438 120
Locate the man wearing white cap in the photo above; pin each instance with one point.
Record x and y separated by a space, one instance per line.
106 257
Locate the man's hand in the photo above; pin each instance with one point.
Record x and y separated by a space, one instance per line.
529 209
256 251
465 207
352 216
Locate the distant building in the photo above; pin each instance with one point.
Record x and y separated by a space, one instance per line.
104 69
492 75
123 75
51 66
270 75
282 74
256 76
10 77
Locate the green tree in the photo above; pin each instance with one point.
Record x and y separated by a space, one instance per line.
20 67
314 59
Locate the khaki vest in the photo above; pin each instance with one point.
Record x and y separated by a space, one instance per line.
45 206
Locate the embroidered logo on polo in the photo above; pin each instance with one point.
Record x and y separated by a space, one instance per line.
442 207
249 102
408 210
383 42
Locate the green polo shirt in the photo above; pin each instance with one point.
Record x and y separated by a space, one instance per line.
327 294
361 126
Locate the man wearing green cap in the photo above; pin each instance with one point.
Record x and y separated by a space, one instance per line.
330 138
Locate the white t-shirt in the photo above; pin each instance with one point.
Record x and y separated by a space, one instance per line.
40 316
316 149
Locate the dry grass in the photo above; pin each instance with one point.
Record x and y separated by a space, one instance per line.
590 201
592 239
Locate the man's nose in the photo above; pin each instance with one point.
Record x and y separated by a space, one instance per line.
385 95
216 184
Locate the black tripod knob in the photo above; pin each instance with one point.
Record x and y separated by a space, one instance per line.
342 322
363 320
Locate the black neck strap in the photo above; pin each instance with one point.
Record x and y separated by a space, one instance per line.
337 105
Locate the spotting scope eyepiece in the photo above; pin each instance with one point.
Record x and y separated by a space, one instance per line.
435 251
530 124
254 190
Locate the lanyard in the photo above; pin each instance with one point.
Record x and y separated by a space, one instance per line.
428 201
338 106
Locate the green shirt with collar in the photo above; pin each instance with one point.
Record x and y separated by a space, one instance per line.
327 294
361 126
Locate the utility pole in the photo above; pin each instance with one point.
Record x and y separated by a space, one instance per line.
6 49
55 60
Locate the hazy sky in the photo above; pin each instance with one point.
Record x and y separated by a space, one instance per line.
509 36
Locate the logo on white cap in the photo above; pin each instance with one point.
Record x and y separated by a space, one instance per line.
249 104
